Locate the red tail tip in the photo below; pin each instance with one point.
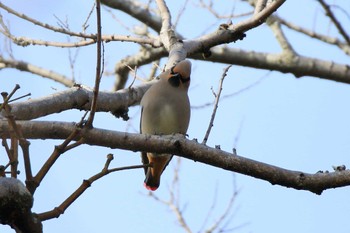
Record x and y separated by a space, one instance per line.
150 187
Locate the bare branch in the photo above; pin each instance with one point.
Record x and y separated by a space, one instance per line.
297 65
99 66
58 151
337 24
134 9
229 32
25 41
45 25
225 214
330 40
13 152
25 66
56 212
234 93
281 38
145 56
259 6
176 49
173 202
217 15
80 98
190 149
258 18
24 144
216 104
88 39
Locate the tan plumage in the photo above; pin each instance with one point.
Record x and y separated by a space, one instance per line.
165 110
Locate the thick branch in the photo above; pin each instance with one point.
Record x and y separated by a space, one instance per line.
228 33
134 9
78 98
296 65
315 183
15 207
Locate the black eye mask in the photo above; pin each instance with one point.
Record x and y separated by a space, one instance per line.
175 78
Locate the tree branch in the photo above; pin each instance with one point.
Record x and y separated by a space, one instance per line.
337 24
297 65
216 104
326 39
25 66
144 56
134 9
57 211
79 97
99 66
315 183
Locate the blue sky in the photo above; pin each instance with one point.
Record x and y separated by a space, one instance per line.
298 124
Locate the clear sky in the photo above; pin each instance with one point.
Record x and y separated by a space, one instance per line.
299 124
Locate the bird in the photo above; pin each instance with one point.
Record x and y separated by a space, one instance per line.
165 110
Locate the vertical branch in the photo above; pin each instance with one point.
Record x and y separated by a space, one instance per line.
98 65
14 156
15 136
166 33
168 36
217 98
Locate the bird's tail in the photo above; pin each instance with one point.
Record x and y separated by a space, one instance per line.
158 164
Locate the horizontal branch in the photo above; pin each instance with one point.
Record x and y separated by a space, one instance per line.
79 97
297 65
135 10
26 41
189 149
27 67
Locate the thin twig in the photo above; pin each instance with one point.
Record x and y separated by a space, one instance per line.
25 66
217 98
44 25
211 208
173 203
57 211
59 150
220 16
337 24
26 41
326 39
88 39
234 93
85 24
98 66
225 214
181 11
13 151
18 98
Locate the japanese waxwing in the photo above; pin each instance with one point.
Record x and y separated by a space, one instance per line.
165 110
